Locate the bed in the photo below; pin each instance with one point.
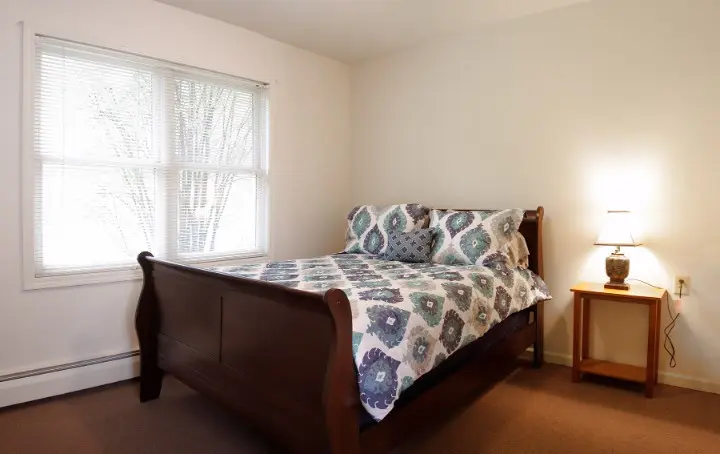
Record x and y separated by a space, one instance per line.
283 358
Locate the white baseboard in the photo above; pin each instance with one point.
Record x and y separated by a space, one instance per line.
558 358
27 389
66 381
668 378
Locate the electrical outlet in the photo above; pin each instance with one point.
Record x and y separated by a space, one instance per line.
685 285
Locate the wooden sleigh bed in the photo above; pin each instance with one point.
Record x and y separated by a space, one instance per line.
282 358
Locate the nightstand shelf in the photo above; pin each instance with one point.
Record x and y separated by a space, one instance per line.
613 370
583 364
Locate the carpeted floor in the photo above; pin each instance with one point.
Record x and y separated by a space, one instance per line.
533 411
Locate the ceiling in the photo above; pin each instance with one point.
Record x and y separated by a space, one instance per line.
353 30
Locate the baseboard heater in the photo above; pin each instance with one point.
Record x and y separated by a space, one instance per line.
67 366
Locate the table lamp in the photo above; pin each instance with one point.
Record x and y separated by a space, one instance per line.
617 233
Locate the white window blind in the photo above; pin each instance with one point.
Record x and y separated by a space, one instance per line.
133 154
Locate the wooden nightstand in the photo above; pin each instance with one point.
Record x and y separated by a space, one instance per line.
637 294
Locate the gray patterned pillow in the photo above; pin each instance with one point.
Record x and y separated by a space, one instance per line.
413 247
370 225
473 237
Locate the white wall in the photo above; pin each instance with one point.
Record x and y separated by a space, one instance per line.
309 160
607 104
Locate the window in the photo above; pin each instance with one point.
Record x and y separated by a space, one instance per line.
133 154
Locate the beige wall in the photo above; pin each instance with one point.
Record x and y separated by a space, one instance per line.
309 162
607 104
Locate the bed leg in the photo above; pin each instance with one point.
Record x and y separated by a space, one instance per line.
538 346
150 384
147 326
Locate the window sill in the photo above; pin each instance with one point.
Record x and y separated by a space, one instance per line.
33 282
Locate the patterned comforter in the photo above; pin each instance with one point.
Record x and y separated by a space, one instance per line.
407 317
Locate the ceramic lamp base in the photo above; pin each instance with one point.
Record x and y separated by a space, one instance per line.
617 267
617 286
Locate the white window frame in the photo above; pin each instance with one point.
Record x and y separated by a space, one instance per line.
31 279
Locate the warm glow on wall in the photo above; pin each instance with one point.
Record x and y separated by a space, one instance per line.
626 178
630 183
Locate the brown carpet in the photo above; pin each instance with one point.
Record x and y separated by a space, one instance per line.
533 411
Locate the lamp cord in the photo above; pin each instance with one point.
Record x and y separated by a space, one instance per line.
646 283
668 344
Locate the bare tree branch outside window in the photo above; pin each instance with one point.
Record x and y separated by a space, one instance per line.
212 125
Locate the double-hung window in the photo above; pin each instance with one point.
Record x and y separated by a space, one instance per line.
129 154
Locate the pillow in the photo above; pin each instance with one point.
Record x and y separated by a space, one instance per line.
413 247
473 237
369 225
518 252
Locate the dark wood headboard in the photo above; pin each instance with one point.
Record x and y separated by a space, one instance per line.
531 229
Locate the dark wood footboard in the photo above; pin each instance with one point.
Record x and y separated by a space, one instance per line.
282 358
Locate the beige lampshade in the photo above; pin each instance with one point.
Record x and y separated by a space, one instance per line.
617 230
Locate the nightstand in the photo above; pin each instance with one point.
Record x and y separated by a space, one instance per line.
637 294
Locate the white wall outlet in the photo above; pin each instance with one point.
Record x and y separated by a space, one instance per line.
685 285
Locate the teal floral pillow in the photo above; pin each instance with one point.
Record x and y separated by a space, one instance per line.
473 237
369 226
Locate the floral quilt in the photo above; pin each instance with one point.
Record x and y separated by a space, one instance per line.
407 317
